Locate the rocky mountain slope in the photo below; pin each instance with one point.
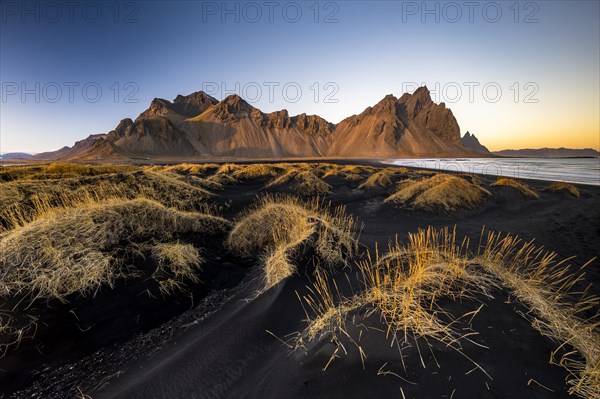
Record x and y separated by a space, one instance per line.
198 126
470 141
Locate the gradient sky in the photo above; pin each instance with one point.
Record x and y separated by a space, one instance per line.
343 56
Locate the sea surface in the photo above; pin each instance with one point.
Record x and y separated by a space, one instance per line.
572 170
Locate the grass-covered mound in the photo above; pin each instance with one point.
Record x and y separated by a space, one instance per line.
440 192
409 287
303 182
278 226
74 250
560 187
27 199
522 187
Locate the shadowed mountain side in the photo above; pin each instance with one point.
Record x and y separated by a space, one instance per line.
198 126
151 136
182 107
470 141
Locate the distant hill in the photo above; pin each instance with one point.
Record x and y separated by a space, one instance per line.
14 155
470 141
549 153
198 126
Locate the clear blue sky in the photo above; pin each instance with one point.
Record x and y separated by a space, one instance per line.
343 56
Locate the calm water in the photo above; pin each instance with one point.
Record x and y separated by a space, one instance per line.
573 170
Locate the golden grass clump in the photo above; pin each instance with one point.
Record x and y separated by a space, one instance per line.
22 212
180 260
329 169
191 168
222 179
255 170
400 170
73 250
403 287
527 191
304 182
61 170
379 179
349 172
10 194
558 308
559 186
277 261
26 200
278 226
228 168
441 192
357 169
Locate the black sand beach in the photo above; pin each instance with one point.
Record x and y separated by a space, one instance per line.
224 343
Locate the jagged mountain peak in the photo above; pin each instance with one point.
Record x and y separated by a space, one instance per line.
235 100
233 107
197 97
186 106
470 141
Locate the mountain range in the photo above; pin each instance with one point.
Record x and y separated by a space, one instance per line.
198 126
9 156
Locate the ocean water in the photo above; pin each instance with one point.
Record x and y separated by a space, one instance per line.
572 170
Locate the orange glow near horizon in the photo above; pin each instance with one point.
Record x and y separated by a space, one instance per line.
527 139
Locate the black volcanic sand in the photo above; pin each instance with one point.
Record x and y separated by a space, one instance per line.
217 345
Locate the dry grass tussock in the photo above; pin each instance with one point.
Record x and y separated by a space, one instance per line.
177 262
73 250
278 226
228 168
188 168
403 287
304 182
396 170
379 179
61 170
527 191
559 309
222 179
26 200
349 172
255 170
441 192
558 186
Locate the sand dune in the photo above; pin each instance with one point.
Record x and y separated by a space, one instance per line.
237 328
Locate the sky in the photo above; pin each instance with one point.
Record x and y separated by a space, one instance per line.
515 74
